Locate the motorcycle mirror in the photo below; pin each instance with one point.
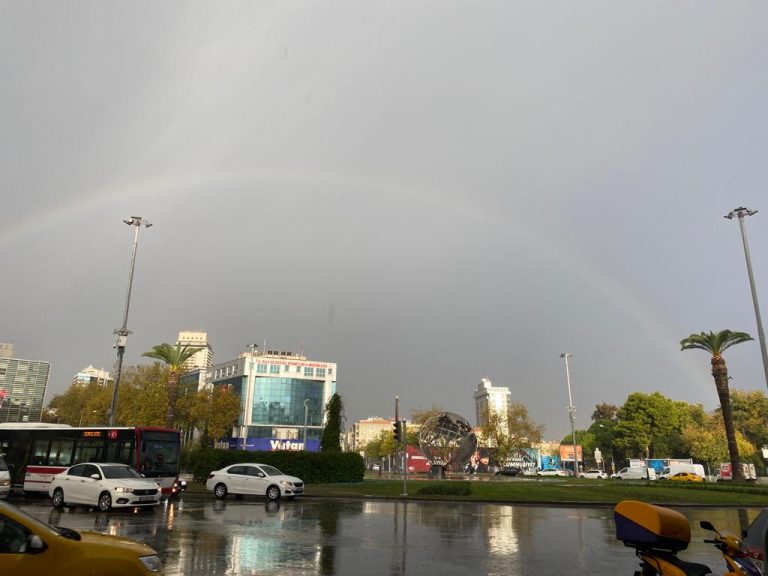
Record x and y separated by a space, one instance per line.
707 525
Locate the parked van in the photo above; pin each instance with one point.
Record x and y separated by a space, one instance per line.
5 479
697 469
724 474
635 473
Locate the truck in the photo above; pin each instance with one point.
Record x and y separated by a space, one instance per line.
673 469
724 473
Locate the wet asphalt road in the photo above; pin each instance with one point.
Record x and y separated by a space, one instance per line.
200 536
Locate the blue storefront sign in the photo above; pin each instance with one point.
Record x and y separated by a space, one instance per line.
273 445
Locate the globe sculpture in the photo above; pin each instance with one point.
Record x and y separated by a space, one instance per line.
447 440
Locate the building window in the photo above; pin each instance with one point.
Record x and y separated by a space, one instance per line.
309 371
274 368
262 368
321 372
330 371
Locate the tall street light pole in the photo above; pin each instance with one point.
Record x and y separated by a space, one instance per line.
571 414
306 414
122 332
740 213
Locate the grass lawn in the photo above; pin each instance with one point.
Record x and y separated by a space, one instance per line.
552 490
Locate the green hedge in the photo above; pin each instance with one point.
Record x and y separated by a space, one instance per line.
311 467
446 489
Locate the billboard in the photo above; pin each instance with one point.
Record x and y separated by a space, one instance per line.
566 453
272 445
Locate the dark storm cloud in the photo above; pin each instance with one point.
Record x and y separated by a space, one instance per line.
426 194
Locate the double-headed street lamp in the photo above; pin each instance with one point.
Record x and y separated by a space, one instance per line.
572 414
740 213
122 332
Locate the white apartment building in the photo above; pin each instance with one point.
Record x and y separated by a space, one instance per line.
363 431
90 374
490 398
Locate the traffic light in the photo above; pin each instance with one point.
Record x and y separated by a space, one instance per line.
396 430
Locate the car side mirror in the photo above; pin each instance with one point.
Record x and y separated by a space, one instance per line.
95 476
35 544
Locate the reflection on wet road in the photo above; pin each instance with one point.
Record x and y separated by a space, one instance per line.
198 536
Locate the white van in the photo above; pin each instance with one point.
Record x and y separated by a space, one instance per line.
675 468
635 473
5 479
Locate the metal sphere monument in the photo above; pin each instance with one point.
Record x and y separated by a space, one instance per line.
447 440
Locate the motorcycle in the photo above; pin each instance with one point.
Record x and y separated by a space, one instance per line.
657 534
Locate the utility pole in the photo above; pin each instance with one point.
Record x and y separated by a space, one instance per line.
571 414
740 213
122 332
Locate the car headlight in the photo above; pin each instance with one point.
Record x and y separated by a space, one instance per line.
5 483
123 489
286 483
152 563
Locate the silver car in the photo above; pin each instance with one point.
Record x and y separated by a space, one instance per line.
254 479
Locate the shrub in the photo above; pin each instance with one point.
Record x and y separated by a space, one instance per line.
311 467
445 489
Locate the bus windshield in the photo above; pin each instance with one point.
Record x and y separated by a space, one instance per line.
159 453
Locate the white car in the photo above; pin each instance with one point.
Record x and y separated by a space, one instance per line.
105 485
5 479
551 472
594 474
253 479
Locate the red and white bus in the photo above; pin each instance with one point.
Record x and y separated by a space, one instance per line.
35 452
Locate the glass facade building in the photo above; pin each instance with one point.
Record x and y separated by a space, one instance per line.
282 398
22 389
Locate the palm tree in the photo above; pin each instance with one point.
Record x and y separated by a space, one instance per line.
174 358
716 344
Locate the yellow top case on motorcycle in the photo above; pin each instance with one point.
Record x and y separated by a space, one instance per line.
644 525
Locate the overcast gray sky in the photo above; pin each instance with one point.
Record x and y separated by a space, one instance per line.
427 193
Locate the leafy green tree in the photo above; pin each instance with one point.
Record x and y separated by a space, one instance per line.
504 432
143 396
716 344
648 426
174 357
750 415
380 447
82 404
604 411
421 415
708 443
221 407
334 423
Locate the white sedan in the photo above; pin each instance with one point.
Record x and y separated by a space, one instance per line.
598 474
106 485
254 479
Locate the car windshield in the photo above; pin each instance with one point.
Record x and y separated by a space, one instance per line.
3 465
271 471
116 472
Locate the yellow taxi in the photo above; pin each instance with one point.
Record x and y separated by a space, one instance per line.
686 477
29 546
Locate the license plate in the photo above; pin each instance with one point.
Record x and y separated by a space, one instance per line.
146 498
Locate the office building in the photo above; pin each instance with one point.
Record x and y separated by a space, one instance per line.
22 388
200 359
490 398
283 397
